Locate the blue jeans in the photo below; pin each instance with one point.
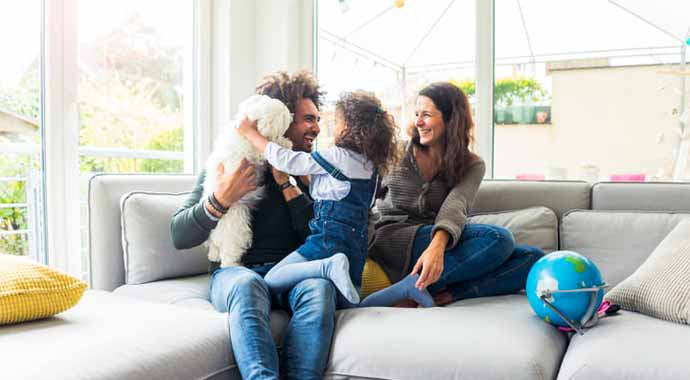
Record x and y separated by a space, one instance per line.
485 262
244 295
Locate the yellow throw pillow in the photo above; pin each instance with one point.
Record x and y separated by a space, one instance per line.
373 278
31 291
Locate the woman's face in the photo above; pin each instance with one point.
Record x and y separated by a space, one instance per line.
429 122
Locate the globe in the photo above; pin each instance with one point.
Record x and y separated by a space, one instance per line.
564 270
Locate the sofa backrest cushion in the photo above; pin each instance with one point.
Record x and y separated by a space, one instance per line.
617 241
535 226
661 286
559 196
645 196
107 270
149 254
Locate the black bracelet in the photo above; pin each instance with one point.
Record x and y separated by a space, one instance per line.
214 202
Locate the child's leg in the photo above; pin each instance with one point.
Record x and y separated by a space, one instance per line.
294 268
401 290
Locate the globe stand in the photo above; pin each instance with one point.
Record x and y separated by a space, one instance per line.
589 314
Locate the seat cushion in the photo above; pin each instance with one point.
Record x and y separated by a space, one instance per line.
184 291
629 346
484 338
192 292
107 336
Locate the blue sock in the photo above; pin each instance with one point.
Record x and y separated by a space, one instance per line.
295 268
400 291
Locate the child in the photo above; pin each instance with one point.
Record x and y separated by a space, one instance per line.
343 184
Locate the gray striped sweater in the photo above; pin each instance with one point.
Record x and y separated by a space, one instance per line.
410 203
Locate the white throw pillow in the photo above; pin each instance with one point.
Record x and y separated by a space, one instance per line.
660 287
535 226
149 253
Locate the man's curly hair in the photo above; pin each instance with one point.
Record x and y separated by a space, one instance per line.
290 89
371 131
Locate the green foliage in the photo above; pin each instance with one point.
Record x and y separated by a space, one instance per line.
467 86
525 90
171 141
508 91
12 219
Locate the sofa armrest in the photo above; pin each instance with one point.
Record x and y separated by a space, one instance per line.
106 262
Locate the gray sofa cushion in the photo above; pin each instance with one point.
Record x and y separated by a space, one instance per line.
559 196
535 226
484 338
661 286
629 346
105 231
149 253
107 336
617 241
649 196
186 291
192 292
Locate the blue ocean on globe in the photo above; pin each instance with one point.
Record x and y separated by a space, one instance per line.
563 270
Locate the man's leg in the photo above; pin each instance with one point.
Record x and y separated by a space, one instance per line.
244 295
308 338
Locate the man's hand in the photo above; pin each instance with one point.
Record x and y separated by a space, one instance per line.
233 186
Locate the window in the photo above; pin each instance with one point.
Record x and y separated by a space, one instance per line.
585 90
20 130
394 49
591 90
119 77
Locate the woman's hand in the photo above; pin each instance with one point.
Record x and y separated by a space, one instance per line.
233 186
431 261
247 127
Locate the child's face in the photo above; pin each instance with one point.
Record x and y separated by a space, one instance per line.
340 125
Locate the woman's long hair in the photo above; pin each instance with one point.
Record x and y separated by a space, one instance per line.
459 133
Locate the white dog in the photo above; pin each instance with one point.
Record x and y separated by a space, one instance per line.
233 235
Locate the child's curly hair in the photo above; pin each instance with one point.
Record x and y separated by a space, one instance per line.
371 131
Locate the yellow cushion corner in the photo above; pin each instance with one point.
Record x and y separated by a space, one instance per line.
30 291
373 278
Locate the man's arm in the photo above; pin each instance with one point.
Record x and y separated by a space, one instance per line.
300 205
191 225
193 222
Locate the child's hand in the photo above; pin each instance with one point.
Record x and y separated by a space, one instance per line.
247 127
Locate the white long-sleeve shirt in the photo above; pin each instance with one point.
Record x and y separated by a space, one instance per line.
323 185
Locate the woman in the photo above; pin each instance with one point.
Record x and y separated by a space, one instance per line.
421 226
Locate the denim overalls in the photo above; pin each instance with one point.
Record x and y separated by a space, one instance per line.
341 226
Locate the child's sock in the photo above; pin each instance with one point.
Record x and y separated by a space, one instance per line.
337 269
401 290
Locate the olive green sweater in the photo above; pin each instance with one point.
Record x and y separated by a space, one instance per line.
409 203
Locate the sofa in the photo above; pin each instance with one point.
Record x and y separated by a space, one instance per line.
167 329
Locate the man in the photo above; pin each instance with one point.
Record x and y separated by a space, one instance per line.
279 226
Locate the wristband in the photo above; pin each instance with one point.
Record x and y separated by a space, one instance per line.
285 185
216 205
